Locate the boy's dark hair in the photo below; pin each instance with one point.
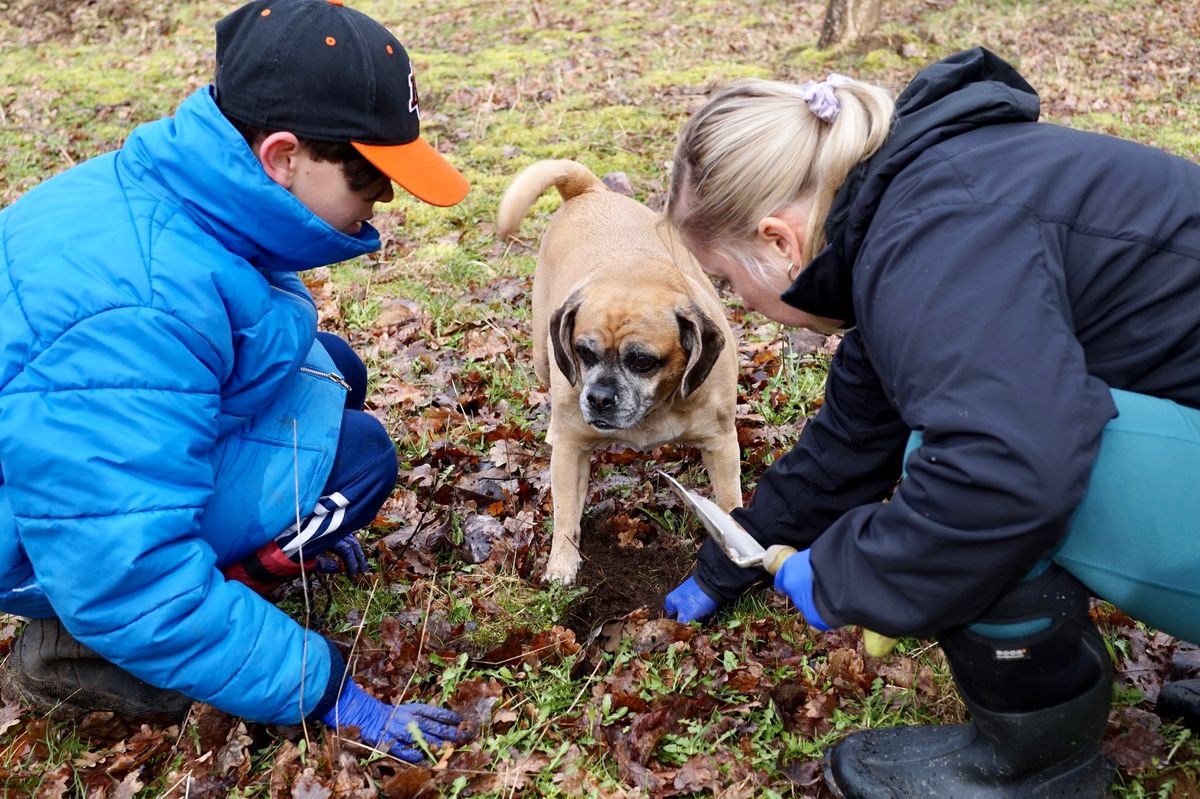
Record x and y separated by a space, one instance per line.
360 173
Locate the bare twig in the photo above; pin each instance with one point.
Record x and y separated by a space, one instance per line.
420 642
303 579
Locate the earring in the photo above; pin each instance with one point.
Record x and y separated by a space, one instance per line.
791 267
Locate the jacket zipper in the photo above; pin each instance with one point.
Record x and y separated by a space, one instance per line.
334 376
308 370
308 301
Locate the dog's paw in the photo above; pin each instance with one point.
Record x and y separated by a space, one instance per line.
561 570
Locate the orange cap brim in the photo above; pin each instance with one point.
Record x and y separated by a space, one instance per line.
418 169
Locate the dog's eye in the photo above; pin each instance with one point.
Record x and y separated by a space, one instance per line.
641 362
586 354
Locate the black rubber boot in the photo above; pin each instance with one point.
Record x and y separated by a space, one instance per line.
1021 743
56 675
1180 700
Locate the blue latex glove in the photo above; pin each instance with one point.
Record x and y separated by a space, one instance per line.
350 552
386 726
689 603
795 578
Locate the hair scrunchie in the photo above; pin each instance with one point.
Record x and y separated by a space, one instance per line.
821 99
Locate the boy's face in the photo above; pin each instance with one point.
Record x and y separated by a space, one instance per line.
322 187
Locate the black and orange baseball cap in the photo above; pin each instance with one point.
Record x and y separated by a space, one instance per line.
329 73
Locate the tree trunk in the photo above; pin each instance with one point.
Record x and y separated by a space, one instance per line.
848 20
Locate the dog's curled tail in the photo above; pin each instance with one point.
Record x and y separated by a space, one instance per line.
571 178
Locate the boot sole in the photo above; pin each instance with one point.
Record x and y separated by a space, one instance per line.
827 772
52 701
13 687
1082 780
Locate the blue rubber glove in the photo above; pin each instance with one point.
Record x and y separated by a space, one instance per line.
795 578
350 552
386 726
689 603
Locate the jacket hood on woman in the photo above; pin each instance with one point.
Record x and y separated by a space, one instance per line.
1002 275
965 91
162 398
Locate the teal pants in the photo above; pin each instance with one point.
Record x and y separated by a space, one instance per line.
1134 540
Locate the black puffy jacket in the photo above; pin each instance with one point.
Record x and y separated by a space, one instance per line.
1001 275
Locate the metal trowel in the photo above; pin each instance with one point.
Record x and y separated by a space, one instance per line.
738 545
743 550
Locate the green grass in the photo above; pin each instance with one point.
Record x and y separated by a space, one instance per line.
793 392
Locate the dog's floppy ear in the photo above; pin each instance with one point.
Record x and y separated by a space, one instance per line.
702 342
562 337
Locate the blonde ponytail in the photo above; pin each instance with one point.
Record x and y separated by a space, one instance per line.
756 147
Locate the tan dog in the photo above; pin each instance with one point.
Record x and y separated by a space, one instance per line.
642 352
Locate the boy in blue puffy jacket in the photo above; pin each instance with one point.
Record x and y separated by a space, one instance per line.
175 436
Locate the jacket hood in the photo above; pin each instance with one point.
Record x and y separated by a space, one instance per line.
966 91
198 161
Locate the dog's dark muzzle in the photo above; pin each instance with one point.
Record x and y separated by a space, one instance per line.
601 406
602 398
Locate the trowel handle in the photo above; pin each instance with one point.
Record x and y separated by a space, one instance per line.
775 555
876 644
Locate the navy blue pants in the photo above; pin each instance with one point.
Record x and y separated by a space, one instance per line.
364 468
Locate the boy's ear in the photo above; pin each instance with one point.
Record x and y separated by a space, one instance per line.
277 153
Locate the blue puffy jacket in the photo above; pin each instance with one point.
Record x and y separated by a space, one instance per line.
165 410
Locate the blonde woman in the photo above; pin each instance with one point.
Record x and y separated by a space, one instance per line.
1022 307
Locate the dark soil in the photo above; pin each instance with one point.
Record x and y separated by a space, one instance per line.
623 578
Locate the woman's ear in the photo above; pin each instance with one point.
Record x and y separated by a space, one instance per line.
785 232
278 154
